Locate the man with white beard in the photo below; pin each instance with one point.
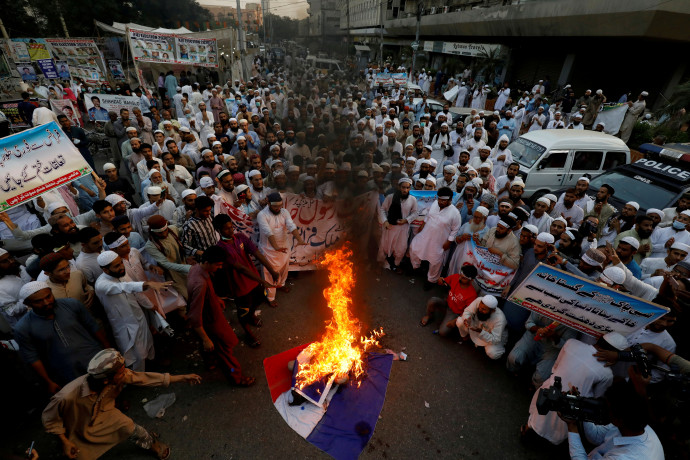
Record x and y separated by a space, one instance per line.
501 157
398 210
438 230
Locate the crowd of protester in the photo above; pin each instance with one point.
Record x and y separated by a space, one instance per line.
154 237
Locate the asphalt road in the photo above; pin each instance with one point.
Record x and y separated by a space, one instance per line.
475 408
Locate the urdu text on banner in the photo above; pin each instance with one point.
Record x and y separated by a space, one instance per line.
36 161
583 305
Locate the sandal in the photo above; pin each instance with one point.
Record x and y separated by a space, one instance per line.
161 450
246 382
424 321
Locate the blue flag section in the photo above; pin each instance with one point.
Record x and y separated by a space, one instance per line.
348 424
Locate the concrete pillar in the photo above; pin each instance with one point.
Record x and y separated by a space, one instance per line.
666 94
565 71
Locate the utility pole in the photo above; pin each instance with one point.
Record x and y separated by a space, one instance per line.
415 44
62 19
383 2
241 42
4 31
347 27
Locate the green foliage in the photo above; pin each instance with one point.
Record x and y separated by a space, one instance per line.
642 133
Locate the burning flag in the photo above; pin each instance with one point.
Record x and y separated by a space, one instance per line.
338 422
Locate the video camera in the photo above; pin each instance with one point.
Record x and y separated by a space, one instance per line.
639 356
571 406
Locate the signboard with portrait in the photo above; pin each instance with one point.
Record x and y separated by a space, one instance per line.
200 52
152 47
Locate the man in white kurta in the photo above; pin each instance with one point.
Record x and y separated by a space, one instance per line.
462 96
123 301
12 277
439 229
396 225
501 157
274 225
486 325
577 367
635 109
539 216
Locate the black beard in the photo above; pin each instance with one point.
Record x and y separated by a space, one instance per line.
234 130
483 316
477 138
423 174
500 237
644 234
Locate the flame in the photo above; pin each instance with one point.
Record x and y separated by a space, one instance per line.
340 350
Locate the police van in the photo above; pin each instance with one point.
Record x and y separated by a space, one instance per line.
656 181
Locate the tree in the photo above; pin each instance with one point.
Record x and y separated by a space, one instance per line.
284 28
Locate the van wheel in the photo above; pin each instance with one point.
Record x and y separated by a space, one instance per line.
535 196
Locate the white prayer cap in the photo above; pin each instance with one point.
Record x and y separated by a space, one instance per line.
560 219
345 166
551 197
444 124
178 88
631 241
114 199
433 162
131 128
546 237
31 288
616 339
391 131
603 125
557 113
482 210
241 188
428 147
584 178
404 180
241 138
544 200
55 205
216 143
329 166
274 147
656 211
3 252
210 136
311 178
106 258
205 182
634 204
362 173
644 94
108 167
518 182
184 129
490 301
599 91
411 159
293 168
154 190
185 193
278 172
424 161
486 164
168 122
541 81
686 212
233 119
680 246
253 172
449 168
531 228
577 115
486 147
613 275
504 137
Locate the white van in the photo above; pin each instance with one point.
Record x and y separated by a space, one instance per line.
324 66
551 159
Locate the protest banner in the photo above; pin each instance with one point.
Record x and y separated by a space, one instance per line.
116 69
98 105
492 277
66 107
383 79
91 75
11 111
48 68
583 305
36 161
152 47
425 198
612 116
37 48
63 70
196 51
19 51
76 52
27 71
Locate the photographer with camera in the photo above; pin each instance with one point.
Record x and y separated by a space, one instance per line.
628 435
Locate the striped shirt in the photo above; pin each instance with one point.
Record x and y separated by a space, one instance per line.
198 235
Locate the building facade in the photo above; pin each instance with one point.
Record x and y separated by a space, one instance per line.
252 16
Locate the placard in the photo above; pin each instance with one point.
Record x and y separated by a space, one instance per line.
36 161
116 70
66 107
11 111
37 48
48 68
200 52
98 105
27 71
76 51
152 47
63 70
583 305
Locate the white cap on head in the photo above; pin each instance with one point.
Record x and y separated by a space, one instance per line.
482 210
108 167
449 168
686 212
561 219
216 143
613 275
55 205
531 228
254 172
130 129
551 197
631 241
205 182
681 247
616 339
185 193
656 211
583 178
599 91
644 94
544 200
434 162
490 301
154 190
431 179
634 204
546 237
32 288
106 258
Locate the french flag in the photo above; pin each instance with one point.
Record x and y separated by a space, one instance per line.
340 419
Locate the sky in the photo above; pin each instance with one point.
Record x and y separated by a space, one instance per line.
293 8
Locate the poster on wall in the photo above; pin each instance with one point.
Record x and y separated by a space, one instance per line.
116 69
98 105
152 47
63 70
90 74
197 51
48 68
37 48
27 71
66 107
76 51
11 111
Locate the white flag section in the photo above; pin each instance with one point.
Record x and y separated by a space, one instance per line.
612 117
451 93
35 161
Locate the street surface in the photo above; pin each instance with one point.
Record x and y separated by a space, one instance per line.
475 407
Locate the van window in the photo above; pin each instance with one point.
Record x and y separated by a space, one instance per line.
554 160
587 161
613 159
526 152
